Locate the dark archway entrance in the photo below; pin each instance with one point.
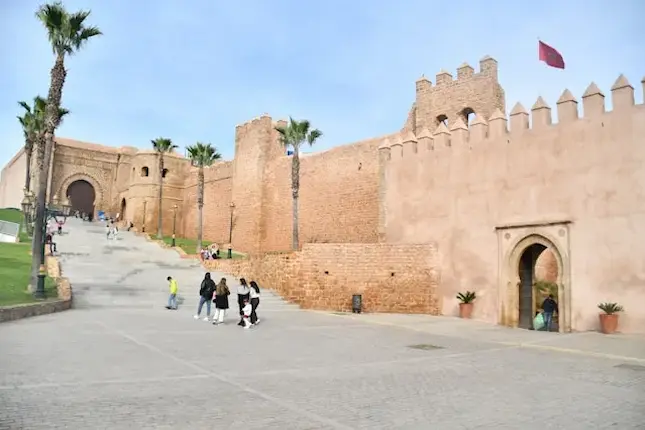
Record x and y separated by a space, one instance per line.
122 211
527 279
81 195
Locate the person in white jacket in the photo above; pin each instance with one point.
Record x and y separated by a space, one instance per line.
246 314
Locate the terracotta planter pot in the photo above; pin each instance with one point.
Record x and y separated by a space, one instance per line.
465 310
608 323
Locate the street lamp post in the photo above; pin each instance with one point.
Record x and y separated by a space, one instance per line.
230 232
52 211
174 223
143 227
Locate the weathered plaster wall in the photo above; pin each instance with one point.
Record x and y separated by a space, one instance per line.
455 187
338 197
12 181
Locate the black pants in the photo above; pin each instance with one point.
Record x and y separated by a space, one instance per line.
240 301
255 302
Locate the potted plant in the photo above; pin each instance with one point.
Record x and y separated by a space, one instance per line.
609 319
466 305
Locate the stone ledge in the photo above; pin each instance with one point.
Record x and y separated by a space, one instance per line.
63 303
11 313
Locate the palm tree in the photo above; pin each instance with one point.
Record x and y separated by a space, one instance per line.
67 33
32 122
162 146
295 134
202 155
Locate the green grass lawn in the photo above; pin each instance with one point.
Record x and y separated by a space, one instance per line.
15 215
190 246
15 265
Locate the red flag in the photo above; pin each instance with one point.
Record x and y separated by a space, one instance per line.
550 56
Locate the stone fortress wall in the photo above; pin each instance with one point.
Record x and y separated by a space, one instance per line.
454 178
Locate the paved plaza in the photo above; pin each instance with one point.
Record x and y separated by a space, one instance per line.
119 360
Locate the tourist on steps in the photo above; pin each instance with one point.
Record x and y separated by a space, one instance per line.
221 302
206 292
255 302
242 295
172 299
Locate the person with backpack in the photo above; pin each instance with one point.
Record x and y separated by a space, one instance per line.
206 291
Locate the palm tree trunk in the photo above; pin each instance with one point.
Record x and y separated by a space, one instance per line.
295 190
28 153
200 209
58 75
160 211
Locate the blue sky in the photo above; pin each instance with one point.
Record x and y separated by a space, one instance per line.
192 70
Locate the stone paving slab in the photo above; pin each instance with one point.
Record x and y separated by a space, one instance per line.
109 366
621 346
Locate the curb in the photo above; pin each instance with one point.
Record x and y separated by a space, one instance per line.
63 303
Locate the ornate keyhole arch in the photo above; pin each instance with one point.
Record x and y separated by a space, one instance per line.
516 243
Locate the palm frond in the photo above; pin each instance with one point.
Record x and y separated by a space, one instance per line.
163 145
67 32
203 154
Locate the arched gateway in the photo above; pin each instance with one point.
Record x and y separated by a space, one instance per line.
81 195
520 246
84 192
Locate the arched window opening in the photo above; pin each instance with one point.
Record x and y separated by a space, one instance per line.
164 173
442 119
468 115
144 171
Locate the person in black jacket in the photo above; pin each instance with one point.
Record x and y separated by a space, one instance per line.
549 306
206 292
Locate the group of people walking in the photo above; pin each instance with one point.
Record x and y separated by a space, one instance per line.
248 300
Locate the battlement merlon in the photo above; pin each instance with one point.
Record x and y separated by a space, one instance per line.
470 93
482 131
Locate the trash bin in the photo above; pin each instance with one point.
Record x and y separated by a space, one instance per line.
357 303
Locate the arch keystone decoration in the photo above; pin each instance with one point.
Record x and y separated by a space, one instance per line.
98 190
513 240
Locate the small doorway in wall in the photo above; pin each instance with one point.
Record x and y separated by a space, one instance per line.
122 211
538 273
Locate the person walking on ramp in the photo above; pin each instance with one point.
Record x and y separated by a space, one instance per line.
172 299
255 302
206 292
242 295
221 302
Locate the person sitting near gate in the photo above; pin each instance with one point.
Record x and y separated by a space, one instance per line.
213 251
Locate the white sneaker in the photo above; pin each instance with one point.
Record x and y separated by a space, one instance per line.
206 319
196 317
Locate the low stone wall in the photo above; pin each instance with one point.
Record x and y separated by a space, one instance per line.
391 278
62 303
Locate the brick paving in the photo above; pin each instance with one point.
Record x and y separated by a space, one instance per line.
121 361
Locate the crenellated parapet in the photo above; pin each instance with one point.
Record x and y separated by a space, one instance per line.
455 135
450 99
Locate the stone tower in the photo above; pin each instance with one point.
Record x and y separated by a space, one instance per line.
478 93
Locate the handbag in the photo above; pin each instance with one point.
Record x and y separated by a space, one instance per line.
538 321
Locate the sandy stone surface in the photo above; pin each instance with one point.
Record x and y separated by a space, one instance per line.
122 361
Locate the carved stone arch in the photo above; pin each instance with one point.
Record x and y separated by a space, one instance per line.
513 242
98 190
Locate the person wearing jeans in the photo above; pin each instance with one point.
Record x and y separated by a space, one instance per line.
549 306
172 299
206 292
